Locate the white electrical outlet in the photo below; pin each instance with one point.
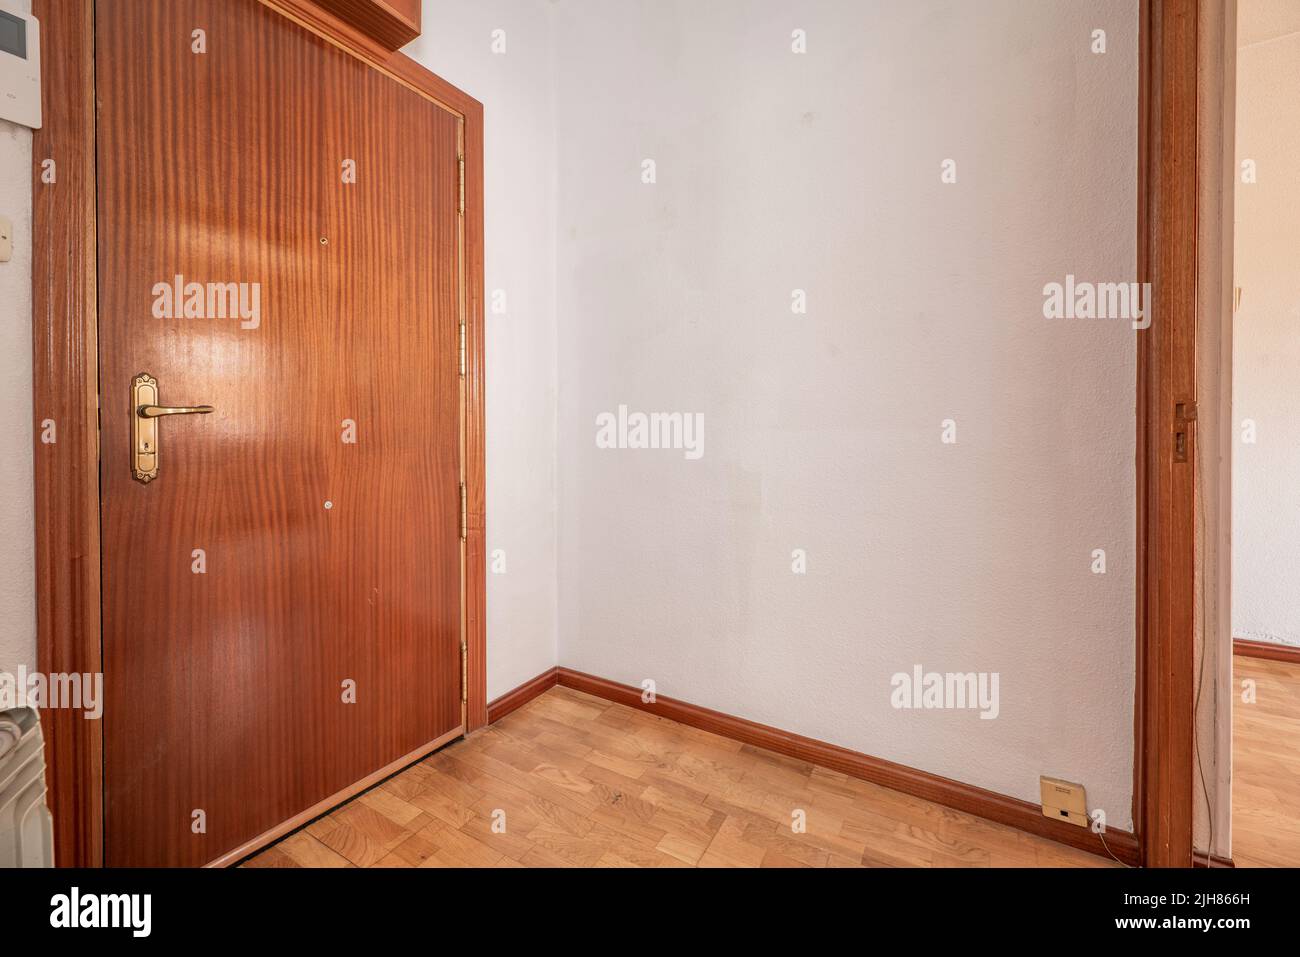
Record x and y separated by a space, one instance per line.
20 66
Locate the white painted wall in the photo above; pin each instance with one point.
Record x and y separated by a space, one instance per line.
17 550
1266 339
516 89
821 172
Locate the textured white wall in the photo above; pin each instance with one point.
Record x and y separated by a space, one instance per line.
516 89
820 172
1266 344
17 549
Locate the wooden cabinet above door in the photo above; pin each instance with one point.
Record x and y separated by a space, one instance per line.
392 23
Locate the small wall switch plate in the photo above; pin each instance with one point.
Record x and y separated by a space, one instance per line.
6 239
1064 801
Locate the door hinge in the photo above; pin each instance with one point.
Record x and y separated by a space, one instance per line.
1184 422
464 672
464 513
462 350
460 161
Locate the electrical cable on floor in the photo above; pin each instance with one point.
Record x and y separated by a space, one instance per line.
1102 835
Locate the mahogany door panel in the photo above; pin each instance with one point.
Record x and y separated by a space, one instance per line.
282 603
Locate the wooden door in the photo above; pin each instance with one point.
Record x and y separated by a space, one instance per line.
282 603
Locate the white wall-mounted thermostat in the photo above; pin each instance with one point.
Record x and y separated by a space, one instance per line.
20 66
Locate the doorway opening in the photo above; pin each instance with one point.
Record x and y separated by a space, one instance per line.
1265 446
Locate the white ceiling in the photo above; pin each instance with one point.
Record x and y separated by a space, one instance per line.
1261 20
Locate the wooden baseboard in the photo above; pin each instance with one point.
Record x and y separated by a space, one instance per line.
1201 859
526 692
1010 811
1248 648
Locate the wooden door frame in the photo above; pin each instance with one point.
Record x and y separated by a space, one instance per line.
1168 215
65 391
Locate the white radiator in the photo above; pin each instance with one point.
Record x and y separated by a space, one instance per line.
26 835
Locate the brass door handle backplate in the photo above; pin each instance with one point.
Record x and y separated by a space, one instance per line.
145 412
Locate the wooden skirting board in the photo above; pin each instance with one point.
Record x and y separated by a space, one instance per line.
1010 811
526 692
1268 650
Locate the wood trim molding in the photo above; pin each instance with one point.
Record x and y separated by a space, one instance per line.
476 557
394 23
526 692
65 398
1268 650
1167 435
65 391
990 805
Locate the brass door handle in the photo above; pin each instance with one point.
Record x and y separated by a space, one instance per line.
154 411
144 428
